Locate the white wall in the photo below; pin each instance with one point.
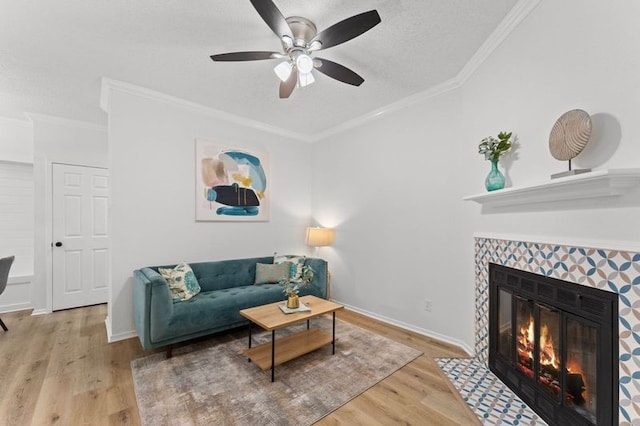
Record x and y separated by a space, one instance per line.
16 217
152 166
396 194
16 149
16 171
386 187
57 140
16 232
16 140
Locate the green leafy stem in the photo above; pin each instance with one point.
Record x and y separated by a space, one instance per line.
493 148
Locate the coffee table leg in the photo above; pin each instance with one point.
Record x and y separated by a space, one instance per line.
333 340
273 355
307 324
249 359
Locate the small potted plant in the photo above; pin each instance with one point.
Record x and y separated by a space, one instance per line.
291 288
493 148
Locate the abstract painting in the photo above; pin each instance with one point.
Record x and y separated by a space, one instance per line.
231 184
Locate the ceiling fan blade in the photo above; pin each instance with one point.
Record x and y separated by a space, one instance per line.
246 56
338 72
273 17
286 87
347 29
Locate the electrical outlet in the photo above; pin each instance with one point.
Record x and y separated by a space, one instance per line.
428 305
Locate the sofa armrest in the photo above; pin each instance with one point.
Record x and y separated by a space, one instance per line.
152 304
319 285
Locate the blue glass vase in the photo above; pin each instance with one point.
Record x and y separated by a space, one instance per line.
495 179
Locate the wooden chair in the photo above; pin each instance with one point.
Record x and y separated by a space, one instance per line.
5 265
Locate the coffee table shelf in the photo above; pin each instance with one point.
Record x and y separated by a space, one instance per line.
271 318
288 347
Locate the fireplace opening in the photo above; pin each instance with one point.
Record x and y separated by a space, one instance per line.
555 344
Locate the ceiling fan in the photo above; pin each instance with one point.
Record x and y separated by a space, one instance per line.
300 39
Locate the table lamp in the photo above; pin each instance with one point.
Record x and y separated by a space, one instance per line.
320 237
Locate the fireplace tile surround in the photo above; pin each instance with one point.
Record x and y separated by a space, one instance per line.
612 270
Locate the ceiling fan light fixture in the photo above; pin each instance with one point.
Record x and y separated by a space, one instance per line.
287 42
305 79
315 45
283 70
304 63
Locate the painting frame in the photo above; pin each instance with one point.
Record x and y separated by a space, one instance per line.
232 184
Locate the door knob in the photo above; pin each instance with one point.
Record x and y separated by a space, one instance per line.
58 244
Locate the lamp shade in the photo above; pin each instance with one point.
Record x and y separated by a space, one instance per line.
319 237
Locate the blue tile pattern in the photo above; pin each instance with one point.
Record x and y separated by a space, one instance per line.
611 270
490 399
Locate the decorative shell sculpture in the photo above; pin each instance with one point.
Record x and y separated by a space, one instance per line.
570 134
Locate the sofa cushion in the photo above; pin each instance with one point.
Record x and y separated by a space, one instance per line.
297 262
182 282
272 273
227 273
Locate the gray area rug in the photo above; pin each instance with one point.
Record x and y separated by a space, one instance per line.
212 383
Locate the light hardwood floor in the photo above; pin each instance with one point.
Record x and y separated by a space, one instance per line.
59 369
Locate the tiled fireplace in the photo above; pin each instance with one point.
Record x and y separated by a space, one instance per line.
555 343
614 271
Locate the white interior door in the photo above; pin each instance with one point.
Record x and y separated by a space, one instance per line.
80 236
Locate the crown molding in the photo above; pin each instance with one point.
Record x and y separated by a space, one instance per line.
16 122
403 103
109 85
66 122
511 21
17 162
520 11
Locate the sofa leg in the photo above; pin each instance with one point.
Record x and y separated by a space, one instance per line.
169 351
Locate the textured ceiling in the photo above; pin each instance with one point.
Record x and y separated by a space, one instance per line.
54 54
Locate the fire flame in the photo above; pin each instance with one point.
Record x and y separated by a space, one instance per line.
547 358
526 343
526 340
547 352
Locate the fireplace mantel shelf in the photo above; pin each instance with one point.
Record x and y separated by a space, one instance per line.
592 185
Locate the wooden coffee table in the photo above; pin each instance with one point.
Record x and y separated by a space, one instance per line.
271 318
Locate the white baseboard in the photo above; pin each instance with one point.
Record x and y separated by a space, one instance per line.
40 312
5 309
17 296
20 280
111 338
406 326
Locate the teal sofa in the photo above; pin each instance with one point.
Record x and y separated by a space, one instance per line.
227 286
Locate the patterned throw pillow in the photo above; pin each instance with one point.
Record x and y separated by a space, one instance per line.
267 273
182 282
297 262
